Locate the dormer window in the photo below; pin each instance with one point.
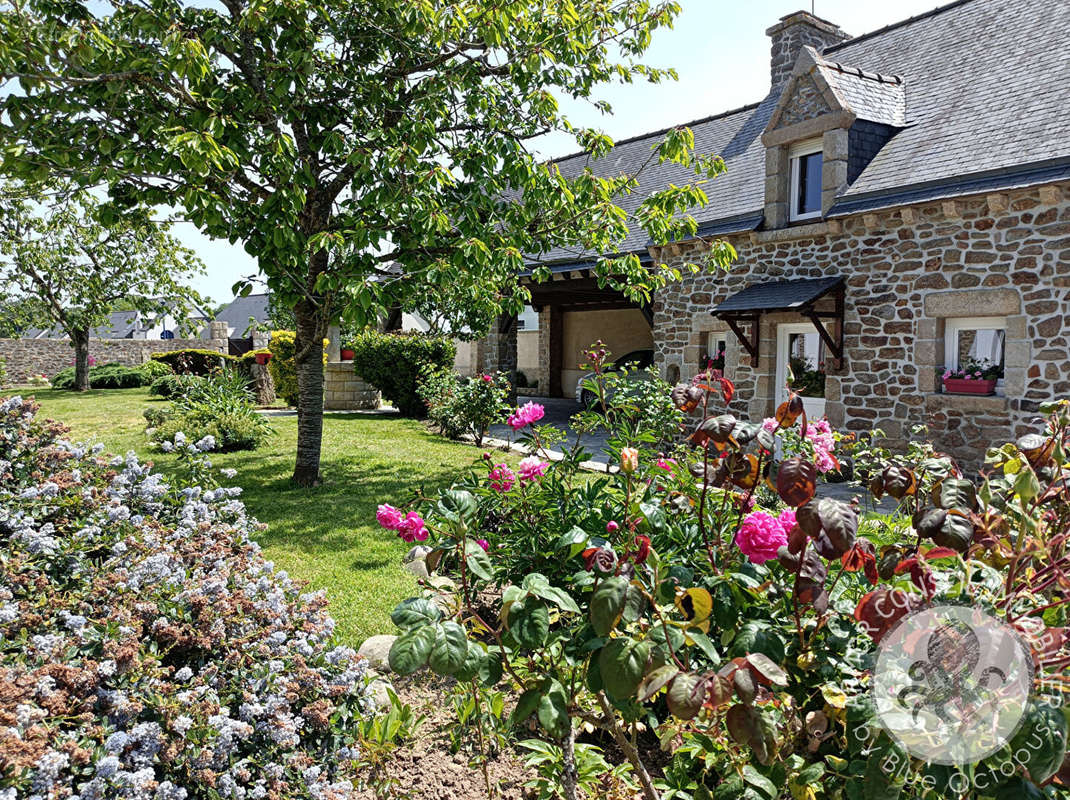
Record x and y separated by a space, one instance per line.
805 198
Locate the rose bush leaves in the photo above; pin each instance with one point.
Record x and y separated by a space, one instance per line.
607 604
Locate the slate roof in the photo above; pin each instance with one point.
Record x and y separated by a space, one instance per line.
778 295
236 314
873 97
985 85
120 325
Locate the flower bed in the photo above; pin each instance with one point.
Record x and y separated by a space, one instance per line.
147 649
710 601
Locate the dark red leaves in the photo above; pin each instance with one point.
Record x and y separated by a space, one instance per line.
880 610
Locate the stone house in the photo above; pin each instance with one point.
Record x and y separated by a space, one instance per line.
900 205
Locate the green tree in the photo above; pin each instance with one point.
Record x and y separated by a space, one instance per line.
78 270
366 152
19 314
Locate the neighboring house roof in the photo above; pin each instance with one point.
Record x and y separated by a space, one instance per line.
236 314
120 325
980 85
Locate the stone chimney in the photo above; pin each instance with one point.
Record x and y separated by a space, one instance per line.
791 34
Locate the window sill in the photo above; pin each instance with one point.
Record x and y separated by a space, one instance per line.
980 403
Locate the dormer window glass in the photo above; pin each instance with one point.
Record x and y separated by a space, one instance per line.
805 198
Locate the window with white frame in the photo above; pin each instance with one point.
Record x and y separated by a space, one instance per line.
975 345
804 201
716 351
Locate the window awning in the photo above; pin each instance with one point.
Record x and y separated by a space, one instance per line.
800 295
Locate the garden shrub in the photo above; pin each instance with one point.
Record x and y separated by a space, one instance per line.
171 385
711 598
282 366
219 406
458 406
193 361
147 648
394 363
151 370
102 376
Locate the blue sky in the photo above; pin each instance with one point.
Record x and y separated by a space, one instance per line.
721 53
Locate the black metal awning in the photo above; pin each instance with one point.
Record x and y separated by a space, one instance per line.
801 295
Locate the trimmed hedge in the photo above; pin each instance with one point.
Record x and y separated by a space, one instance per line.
103 376
394 363
282 367
193 361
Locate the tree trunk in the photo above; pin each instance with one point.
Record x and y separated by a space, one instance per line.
311 325
80 338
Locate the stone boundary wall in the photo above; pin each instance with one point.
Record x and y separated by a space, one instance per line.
26 357
345 390
908 269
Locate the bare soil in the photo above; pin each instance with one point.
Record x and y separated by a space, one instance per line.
425 769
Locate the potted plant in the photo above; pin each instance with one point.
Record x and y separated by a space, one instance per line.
263 358
348 353
973 377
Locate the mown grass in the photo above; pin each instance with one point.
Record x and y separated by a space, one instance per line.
326 535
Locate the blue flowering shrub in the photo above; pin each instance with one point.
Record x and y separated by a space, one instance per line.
147 647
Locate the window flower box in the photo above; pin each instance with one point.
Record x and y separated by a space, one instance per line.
972 377
970 385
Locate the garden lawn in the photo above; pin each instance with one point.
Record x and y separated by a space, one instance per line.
325 535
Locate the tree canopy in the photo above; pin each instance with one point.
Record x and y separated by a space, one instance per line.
63 261
366 152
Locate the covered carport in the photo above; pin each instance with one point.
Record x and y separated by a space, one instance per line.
574 312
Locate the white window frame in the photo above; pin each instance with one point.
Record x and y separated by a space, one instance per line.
953 326
795 154
712 341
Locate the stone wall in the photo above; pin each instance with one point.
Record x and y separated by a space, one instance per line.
344 390
26 357
908 269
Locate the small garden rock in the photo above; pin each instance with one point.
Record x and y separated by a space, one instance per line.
377 650
417 553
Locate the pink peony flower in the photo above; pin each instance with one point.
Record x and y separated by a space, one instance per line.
502 478
532 467
389 517
769 424
667 464
483 543
487 378
612 527
525 415
412 528
760 536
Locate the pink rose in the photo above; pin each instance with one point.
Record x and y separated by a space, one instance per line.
612 527
413 528
502 478
760 536
389 517
787 519
667 464
532 467
487 378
